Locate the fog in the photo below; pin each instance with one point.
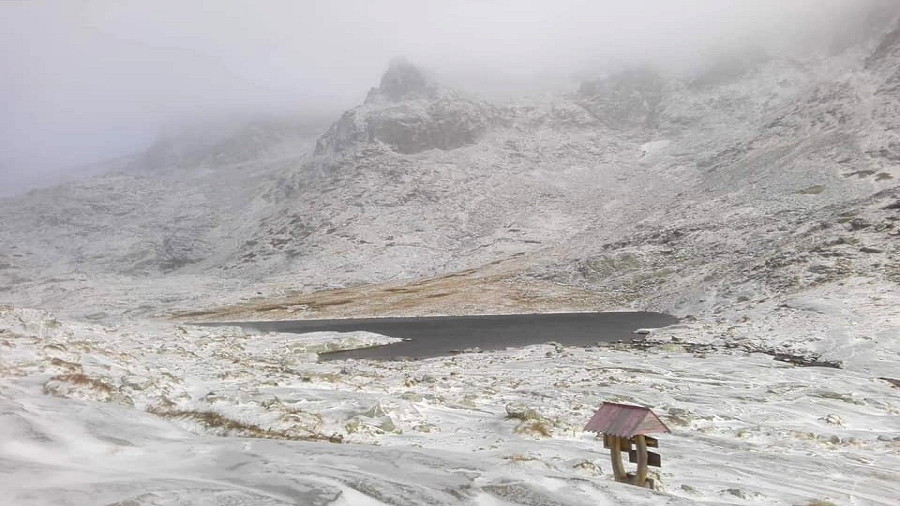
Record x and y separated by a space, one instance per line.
88 80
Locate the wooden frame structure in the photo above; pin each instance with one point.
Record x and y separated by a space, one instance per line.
625 429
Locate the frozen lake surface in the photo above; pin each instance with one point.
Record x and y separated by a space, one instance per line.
435 336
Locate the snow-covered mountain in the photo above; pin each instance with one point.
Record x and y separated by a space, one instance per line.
645 190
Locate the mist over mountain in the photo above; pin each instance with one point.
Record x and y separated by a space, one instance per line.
98 80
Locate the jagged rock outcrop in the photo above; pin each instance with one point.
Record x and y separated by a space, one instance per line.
625 100
403 81
409 113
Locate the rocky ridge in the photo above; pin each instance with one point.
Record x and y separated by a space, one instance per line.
410 113
651 192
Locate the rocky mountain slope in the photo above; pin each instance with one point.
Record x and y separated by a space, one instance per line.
644 190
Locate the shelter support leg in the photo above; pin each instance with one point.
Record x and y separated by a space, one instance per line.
615 454
641 443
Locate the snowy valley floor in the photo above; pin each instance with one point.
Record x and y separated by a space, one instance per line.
159 413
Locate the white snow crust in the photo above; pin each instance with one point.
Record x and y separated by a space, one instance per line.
112 414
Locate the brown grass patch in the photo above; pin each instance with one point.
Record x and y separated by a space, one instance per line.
326 303
497 287
225 426
81 379
64 364
518 457
535 427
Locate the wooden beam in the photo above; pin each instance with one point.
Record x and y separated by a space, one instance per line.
642 460
615 455
653 459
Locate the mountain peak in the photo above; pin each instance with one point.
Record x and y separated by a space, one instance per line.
403 81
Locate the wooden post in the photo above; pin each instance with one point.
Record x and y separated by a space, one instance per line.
641 460
615 454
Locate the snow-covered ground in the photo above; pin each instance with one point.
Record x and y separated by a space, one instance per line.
170 414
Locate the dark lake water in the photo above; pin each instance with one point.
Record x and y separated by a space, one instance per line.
435 336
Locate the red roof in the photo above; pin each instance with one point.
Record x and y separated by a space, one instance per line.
625 421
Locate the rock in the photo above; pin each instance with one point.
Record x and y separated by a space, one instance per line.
426 428
859 224
736 492
387 424
409 113
520 411
894 382
586 467
867 249
812 190
679 416
378 425
402 81
689 489
375 411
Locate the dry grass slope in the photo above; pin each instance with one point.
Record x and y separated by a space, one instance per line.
225 426
494 288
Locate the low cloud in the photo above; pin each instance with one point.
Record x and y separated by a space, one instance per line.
94 79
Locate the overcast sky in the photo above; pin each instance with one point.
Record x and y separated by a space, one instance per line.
84 80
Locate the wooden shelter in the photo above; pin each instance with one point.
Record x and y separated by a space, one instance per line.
625 429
